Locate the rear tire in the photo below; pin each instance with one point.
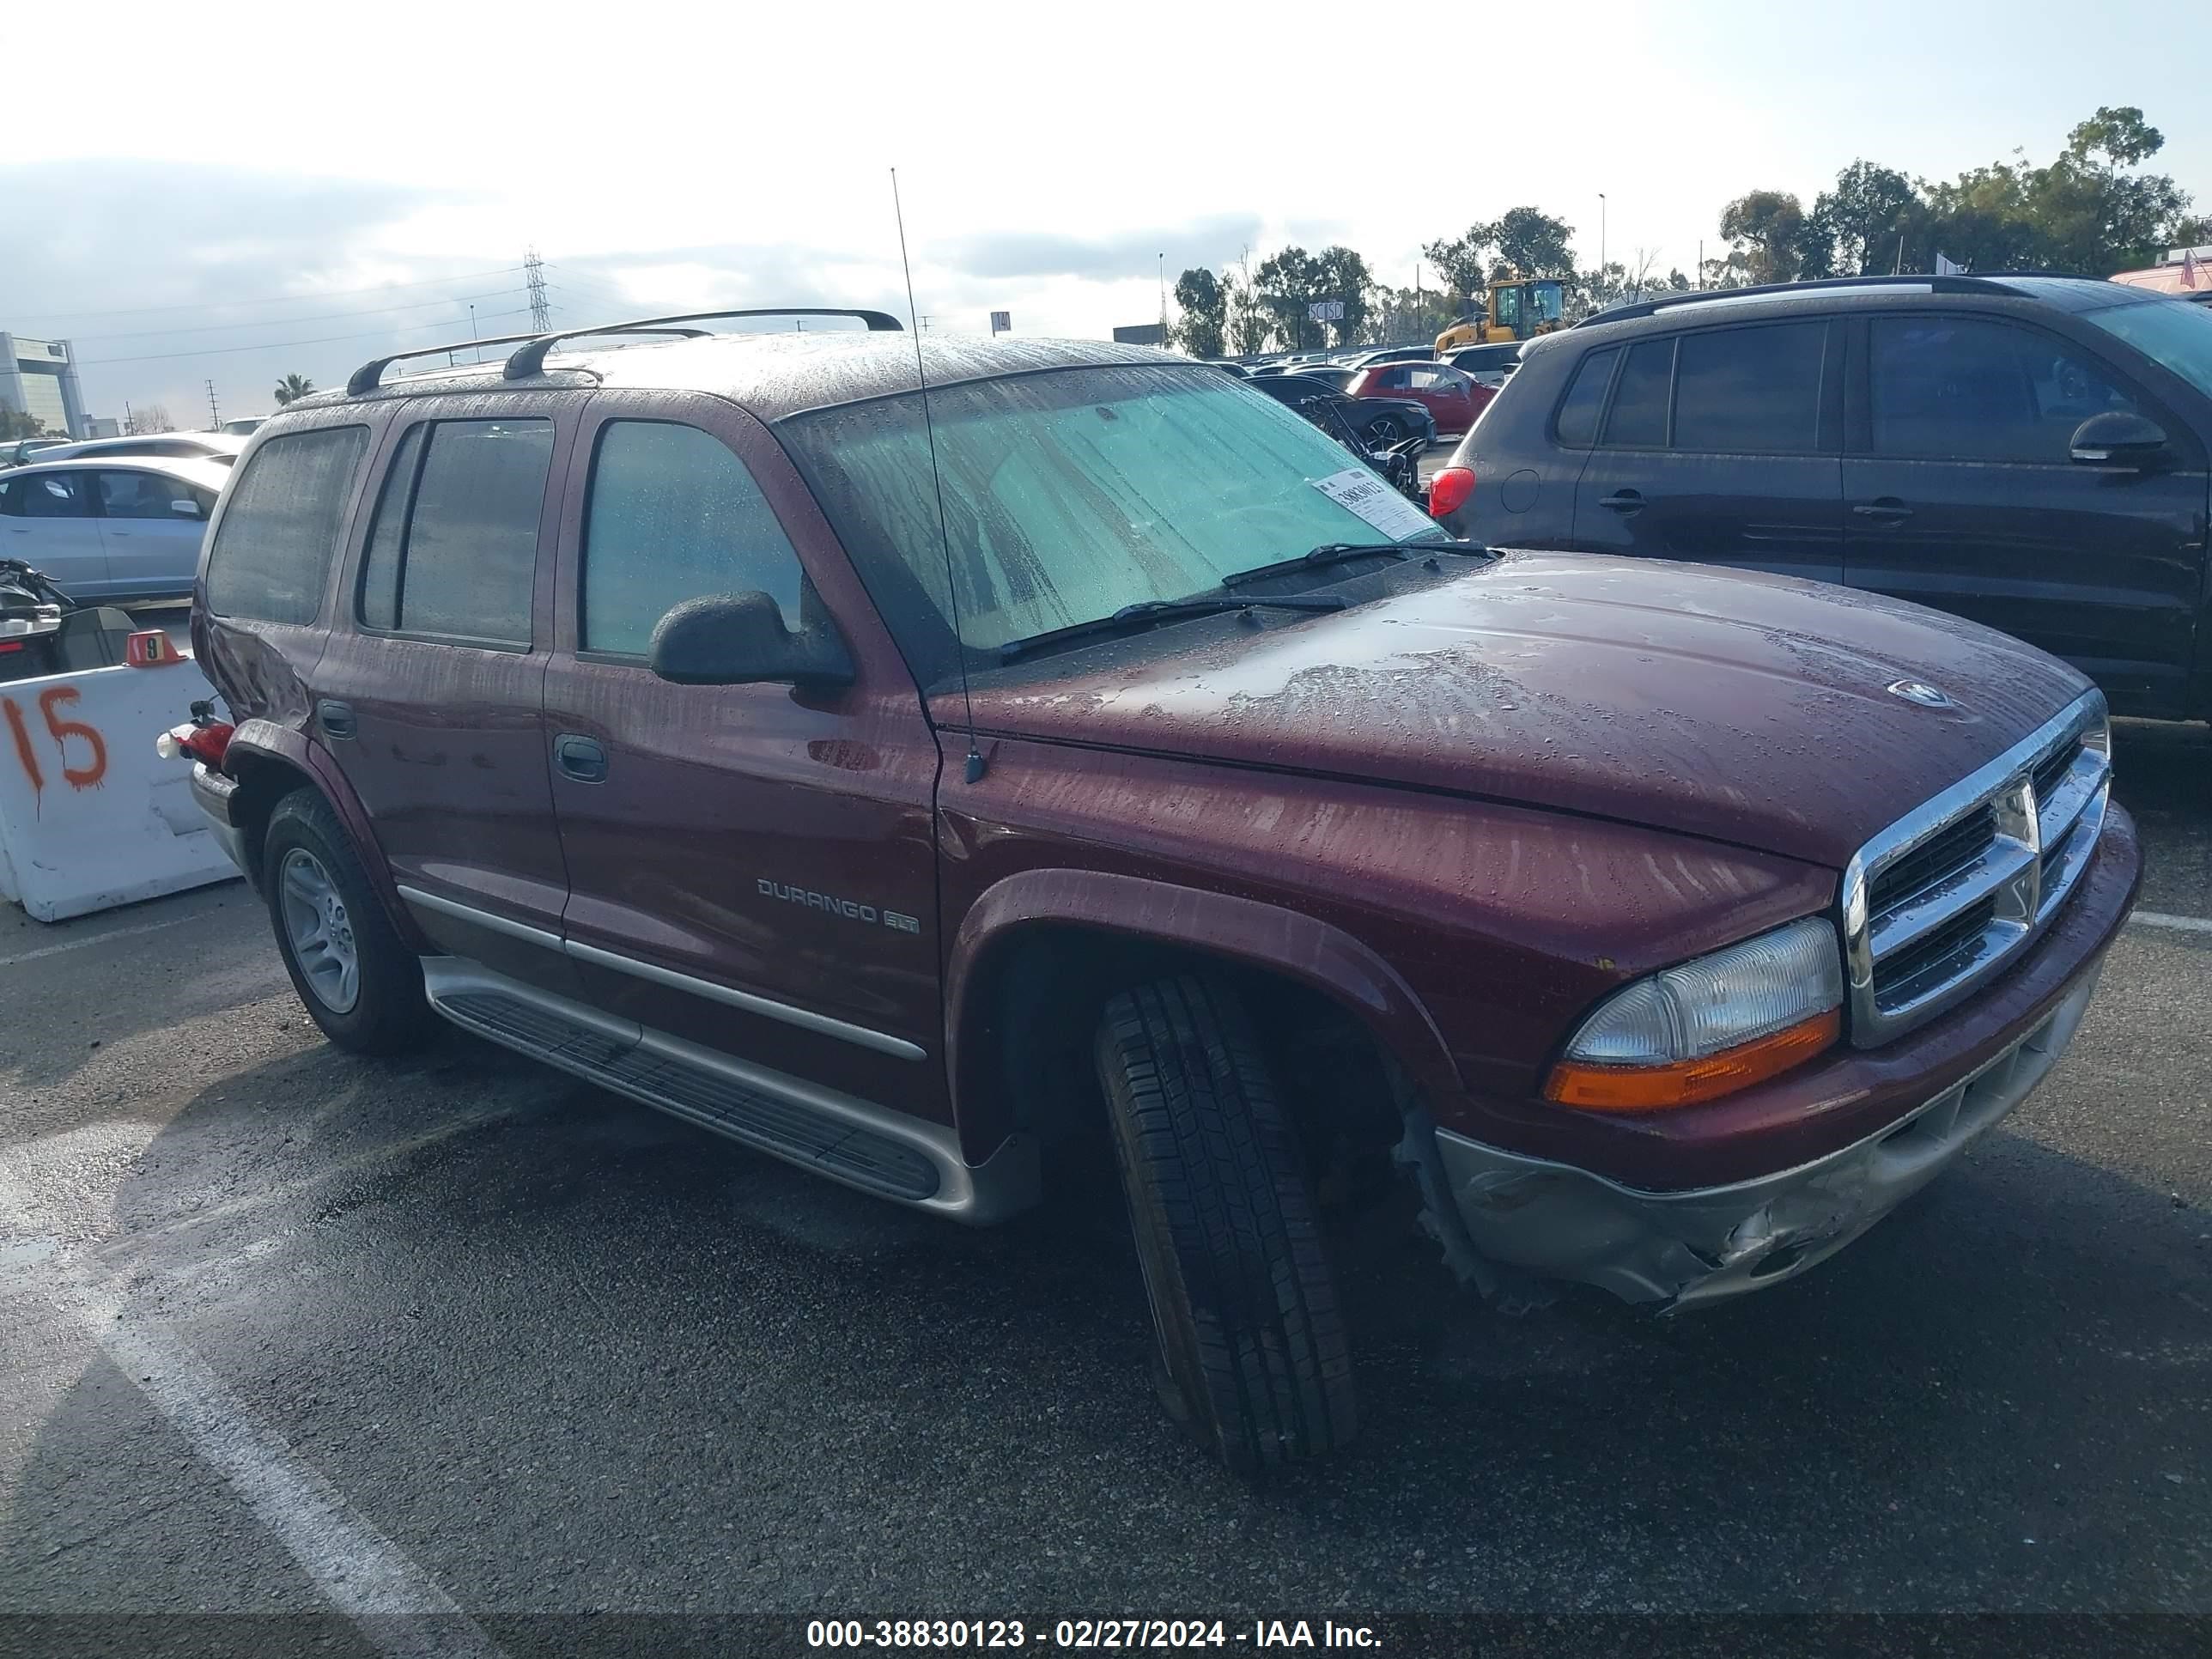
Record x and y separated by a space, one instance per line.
1251 1335
358 981
1385 431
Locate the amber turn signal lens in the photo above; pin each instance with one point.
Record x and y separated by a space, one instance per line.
1450 489
1687 1082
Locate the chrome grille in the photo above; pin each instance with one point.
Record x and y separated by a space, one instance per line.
1938 900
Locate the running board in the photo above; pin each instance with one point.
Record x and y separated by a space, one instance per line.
819 1130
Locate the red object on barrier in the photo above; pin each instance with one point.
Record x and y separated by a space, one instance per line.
150 648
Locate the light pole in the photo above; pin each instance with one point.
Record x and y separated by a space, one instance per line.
1163 298
1601 236
478 355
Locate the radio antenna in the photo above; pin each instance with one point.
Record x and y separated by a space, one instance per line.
976 763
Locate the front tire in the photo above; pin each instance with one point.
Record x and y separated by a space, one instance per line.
356 979
1386 430
1251 1335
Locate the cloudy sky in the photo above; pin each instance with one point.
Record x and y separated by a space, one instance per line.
237 192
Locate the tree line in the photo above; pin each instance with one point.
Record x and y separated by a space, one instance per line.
2087 210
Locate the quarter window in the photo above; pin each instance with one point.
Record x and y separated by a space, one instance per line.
464 565
1577 424
674 516
1967 388
1750 389
1640 401
279 530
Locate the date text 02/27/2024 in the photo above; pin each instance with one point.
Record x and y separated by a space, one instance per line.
1085 1634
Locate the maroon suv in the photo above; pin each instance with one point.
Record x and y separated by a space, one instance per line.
1086 748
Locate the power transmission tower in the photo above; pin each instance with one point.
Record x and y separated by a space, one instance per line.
541 314
215 415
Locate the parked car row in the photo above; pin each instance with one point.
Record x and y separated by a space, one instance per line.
1091 757
2028 452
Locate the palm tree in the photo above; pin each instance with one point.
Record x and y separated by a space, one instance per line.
292 386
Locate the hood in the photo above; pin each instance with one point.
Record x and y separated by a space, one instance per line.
1745 708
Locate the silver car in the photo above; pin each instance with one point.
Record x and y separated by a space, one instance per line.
129 528
217 446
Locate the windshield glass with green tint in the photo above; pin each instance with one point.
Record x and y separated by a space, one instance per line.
2173 332
1072 493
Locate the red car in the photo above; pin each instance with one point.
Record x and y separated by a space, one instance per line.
1453 396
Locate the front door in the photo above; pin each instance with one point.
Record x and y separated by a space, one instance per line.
46 521
1962 495
429 697
152 548
751 867
1720 447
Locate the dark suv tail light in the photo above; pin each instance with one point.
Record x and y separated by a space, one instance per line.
1450 489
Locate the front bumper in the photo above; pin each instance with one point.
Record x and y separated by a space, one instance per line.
1683 1248
213 792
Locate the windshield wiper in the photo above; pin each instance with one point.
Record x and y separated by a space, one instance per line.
1332 552
1144 612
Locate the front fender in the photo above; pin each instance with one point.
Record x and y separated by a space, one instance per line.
1138 910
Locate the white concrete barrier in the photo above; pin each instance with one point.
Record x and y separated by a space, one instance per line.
90 817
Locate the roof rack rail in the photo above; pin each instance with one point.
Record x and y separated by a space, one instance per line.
531 359
1960 284
370 374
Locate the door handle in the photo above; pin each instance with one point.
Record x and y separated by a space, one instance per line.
1622 500
579 757
1887 510
336 721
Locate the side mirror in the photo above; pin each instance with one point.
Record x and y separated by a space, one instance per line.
184 510
2117 438
739 639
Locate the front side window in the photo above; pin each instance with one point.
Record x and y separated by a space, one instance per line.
454 551
279 530
674 516
140 495
1751 389
1968 388
1546 301
1072 493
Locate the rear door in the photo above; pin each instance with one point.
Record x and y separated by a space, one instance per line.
46 521
1721 446
752 867
1963 496
152 547
429 697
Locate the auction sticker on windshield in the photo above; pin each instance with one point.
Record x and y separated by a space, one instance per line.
1374 500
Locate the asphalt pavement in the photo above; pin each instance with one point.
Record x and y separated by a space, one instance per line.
283 1331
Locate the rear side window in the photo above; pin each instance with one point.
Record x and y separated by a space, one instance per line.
1639 403
674 516
1576 425
280 531
49 495
1754 389
466 497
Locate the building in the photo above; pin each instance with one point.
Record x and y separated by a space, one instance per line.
38 377
103 426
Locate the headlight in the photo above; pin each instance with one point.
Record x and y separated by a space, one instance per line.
1709 1027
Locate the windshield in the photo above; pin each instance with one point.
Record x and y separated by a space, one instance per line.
2177 334
1073 494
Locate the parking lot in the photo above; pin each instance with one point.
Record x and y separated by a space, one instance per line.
285 1331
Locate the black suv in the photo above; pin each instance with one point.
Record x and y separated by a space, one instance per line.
2025 451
